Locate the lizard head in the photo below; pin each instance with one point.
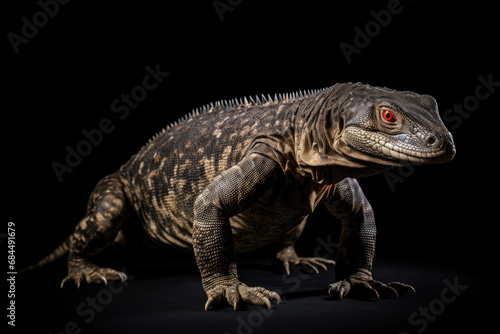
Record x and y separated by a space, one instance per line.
393 128
361 130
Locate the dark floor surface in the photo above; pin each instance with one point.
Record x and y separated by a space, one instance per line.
169 299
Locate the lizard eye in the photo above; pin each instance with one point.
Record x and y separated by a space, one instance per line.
388 116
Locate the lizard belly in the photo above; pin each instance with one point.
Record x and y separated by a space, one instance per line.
261 225
269 221
256 227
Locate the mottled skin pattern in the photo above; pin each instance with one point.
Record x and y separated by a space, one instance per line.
242 175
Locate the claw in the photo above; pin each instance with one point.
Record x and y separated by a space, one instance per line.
238 292
320 264
64 282
403 289
232 296
289 257
286 264
267 302
384 290
80 269
275 296
103 280
342 292
368 289
341 287
66 279
311 266
372 295
266 296
123 276
209 303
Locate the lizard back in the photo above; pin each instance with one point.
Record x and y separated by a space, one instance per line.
164 178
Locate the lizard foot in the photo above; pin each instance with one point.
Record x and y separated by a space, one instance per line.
240 292
368 289
80 269
289 257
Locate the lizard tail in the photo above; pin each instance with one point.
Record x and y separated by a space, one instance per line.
63 249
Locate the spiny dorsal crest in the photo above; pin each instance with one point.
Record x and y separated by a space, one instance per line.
244 102
250 102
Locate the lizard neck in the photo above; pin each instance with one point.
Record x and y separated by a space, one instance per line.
318 126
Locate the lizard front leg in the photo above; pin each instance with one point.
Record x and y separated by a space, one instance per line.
357 247
230 193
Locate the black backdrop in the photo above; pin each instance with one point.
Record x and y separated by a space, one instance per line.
64 75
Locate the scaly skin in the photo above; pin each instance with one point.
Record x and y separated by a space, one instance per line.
242 175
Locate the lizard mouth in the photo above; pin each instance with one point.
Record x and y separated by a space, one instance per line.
401 148
415 157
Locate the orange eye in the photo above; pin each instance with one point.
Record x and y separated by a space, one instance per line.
388 116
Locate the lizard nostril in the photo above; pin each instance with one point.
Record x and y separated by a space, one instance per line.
431 140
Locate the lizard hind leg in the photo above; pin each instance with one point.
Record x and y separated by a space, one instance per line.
289 257
97 230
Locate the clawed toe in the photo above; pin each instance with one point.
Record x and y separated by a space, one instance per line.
76 280
368 289
289 257
258 295
403 289
235 293
93 275
310 262
339 289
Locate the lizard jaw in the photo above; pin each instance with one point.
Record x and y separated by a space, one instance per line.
399 149
413 157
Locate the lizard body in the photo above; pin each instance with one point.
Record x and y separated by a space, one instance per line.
240 175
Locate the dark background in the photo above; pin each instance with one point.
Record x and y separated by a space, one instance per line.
64 79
